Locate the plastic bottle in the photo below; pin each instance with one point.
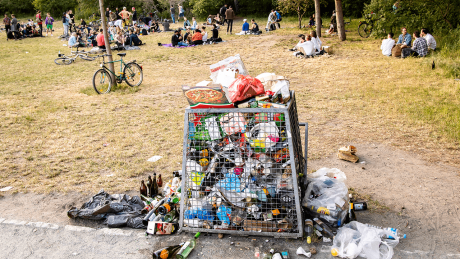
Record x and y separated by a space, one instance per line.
269 255
309 229
395 232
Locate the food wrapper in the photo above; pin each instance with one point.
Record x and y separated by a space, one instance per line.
232 123
161 228
233 63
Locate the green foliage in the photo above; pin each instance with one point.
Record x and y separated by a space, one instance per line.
300 7
260 7
202 8
436 15
54 7
354 8
16 7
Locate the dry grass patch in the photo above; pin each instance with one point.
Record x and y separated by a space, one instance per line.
56 134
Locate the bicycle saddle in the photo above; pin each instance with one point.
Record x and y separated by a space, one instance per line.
121 54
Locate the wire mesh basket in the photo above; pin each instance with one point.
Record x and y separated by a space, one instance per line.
241 171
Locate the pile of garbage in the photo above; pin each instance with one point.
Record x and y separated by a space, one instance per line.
238 162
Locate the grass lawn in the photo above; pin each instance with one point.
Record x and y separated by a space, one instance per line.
58 135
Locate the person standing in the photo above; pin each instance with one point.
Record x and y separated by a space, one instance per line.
173 12
14 26
49 24
39 20
65 23
181 12
113 17
118 14
222 12
134 15
125 16
229 15
72 21
7 23
107 13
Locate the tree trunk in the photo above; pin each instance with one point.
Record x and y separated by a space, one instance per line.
340 24
318 17
236 6
106 39
300 20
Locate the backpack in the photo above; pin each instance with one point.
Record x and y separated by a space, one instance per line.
396 51
221 11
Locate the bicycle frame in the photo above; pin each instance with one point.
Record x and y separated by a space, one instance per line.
122 65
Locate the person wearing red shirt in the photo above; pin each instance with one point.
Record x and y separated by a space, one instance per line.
100 39
38 18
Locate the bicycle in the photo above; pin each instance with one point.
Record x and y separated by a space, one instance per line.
365 27
67 60
130 72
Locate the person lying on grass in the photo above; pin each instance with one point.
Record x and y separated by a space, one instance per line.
177 39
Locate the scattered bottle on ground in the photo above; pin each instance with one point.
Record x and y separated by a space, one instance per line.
167 252
359 206
187 248
324 228
308 229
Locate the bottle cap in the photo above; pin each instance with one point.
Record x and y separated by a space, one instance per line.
197 234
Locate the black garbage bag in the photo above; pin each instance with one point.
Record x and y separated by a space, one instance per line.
119 210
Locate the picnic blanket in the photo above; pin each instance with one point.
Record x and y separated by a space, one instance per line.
171 46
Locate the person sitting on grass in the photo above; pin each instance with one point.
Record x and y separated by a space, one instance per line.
215 34
419 48
120 39
209 20
194 24
73 40
405 38
317 42
311 23
306 47
197 38
155 27
100 39
186 23
429 39
205 34
133 39
254 27
93 38
188 35
245 27
176 39
387 45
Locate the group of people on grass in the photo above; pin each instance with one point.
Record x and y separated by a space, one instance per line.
404 47
17 31
195 37
308 46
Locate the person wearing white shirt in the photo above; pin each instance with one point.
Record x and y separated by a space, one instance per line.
194 24
387 45
431 42
205 34
316 41
307 46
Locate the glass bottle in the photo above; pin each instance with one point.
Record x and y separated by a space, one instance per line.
187 248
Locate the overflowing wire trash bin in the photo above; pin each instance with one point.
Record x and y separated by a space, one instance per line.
243 171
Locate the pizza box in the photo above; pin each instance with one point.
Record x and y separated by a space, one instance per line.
205 94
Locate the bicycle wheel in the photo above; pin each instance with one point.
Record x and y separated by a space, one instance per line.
102 81
133 74
365 30
63 61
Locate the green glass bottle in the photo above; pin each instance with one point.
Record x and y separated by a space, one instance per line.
167 252
187 248
171 216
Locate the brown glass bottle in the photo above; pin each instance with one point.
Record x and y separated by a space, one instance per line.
159 181
143 189
154 187
149 186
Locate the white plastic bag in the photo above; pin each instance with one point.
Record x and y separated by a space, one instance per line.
234 63
329 172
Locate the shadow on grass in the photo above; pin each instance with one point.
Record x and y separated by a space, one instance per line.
122 88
